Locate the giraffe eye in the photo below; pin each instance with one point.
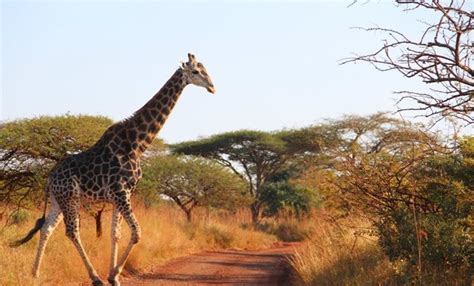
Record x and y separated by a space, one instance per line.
195 72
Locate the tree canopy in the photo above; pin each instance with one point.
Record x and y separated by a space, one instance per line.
254 156
30 147
192 182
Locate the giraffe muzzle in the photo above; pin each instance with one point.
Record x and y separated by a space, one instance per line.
211 89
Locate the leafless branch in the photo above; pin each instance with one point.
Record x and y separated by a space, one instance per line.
441 57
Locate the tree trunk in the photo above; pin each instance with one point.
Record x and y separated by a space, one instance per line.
255 209
189 216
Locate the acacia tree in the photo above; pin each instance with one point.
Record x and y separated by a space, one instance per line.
442 57
30 147
192 182
254 156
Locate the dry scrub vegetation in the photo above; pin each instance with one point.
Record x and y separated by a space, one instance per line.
342 253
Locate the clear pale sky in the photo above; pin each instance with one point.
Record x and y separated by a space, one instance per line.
274 64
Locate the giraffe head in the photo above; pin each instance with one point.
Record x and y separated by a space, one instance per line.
196 74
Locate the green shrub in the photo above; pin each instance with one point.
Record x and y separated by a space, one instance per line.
447 245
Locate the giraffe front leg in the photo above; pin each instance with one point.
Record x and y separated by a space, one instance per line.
126 212
71 220
115 237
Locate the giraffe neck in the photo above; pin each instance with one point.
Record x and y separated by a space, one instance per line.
135 134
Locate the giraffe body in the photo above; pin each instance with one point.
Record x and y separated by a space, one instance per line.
109 172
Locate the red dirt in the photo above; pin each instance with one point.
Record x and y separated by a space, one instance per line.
226 267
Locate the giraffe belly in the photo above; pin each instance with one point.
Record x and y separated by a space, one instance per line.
97 193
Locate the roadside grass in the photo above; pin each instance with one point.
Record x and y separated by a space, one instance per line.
346 253
338 254
166 235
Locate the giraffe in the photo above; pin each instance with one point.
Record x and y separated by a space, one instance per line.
108 173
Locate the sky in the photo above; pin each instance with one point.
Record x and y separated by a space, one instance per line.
275 64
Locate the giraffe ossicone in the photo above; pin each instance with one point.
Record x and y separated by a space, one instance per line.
109 171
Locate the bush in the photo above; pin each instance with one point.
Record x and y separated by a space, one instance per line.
447 249
444 232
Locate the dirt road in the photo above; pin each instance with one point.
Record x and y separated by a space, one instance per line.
228 267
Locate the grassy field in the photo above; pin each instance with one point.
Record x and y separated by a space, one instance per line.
166 235
341 253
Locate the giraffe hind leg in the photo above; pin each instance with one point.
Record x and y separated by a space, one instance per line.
52 221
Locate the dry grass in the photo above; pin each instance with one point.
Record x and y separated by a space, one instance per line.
335 255
166 235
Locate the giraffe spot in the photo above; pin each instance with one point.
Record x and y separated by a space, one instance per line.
113 147
147 116
106 154
117 140
142 127
127 166
82 170
126 147
90 174
104 169
126 173
160 118
132 134
152 128
122 134
98 160
95 188
141 136
137 120
164 100
97 170
149 139
89 184
154 112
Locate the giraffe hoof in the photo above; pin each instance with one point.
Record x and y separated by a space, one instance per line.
97 282
113 281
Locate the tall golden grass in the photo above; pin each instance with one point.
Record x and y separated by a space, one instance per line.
338 254
166 235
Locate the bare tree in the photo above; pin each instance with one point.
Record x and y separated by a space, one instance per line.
441 56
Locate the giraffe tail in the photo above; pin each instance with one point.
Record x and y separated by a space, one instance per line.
38 225
98 222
